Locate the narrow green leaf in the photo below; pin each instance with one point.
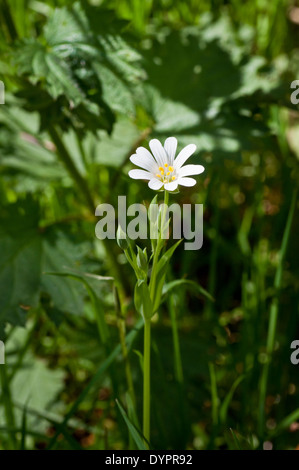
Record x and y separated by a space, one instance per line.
286 422
161 273
24 429
164 260
140 356
236 440
142 299
226 402
134 432
190 285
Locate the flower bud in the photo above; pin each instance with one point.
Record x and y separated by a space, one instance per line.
122 239
142 259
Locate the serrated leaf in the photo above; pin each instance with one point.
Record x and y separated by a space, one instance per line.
91 74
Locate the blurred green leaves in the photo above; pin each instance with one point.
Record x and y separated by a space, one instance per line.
83 70
86 85
205 87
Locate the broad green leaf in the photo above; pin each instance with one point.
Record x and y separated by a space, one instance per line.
26 252
34 384
20 261
24 157
112 150
60 253
99 312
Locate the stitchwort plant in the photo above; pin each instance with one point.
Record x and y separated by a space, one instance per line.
164 171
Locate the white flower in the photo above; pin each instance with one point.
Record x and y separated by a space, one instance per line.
161 167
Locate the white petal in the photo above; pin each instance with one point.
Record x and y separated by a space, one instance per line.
171 186
186 181
158 152
184 154
189 170
144 159
155 184
170 146
140 175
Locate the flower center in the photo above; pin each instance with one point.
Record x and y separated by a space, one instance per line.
166 174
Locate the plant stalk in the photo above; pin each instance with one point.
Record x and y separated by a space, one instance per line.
147 329
146 379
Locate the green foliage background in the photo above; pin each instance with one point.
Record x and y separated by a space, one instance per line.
86 83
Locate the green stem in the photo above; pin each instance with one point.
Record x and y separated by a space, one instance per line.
158 247
178 369
273 317
146 379
8 406
166 199
214 394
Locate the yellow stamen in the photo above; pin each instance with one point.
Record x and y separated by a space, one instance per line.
161 168
158 175
166 165
170 168
168 173
173 178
